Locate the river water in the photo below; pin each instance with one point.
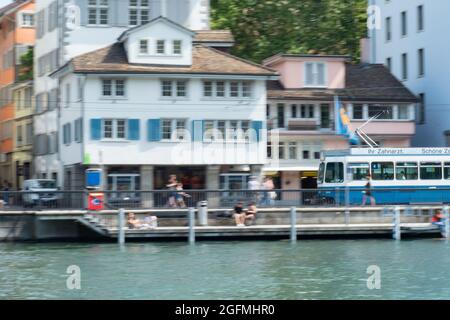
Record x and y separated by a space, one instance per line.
313 269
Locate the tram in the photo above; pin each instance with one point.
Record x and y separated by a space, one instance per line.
397 175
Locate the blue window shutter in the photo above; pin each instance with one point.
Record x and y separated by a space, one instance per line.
96 129
197 130
133 129
154 129
257 126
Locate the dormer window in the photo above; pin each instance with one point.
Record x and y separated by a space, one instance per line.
176 46
161 46
143 46
315 74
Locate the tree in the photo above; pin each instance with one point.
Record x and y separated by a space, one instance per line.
26 66
265 27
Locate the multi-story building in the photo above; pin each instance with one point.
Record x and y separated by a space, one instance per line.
23 133
66 29
301 112
17 35
409 41
157 103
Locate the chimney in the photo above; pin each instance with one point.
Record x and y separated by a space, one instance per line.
364 45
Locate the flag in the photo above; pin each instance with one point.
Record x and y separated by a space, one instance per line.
342 122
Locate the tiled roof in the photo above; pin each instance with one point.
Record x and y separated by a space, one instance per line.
11 6
206 36
205 60
364 82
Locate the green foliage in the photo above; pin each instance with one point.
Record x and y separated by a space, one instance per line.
26 66
263 28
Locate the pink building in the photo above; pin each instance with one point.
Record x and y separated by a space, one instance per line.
300 112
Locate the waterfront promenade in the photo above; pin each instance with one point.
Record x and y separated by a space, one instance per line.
174 224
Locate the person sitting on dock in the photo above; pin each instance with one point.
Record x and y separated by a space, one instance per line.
250 213
239 214
133 222
438 218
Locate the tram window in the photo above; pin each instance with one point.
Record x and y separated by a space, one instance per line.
447 171
321 173
359 171
430 171
334 172
407 171
382 171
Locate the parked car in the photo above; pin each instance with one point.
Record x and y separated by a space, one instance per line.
46 192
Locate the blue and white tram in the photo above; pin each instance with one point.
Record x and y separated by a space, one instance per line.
397 175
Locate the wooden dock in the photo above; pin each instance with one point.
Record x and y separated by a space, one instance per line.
279 231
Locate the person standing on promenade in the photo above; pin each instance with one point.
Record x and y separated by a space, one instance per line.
269 194
172 185
253 184
368 193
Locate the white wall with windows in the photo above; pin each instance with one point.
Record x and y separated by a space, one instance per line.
411 43
139 123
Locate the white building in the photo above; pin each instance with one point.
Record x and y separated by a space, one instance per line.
68 28
412 43
157 103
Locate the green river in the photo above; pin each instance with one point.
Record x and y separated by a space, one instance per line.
308 269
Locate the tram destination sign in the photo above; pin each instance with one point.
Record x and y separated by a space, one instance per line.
400 151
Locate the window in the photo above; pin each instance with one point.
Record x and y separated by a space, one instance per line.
294 111
29 133
421 62
403 112
382 171
143 46
358 171
78 128
67 134
114 128
430 170
388 29
307 111
315 74
306 154
292 150
229 130
404 66
384 112
98 12
281 150
27 19
174 88
420 18
161 46
404 23
68 95
138 12
280 115
176 46
407 171
447 171
234 89
173 129
421 109
334 172
114 88
358 112
389 64
19 136
321 173
269 150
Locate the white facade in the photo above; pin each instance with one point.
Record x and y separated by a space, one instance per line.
420 44
67 31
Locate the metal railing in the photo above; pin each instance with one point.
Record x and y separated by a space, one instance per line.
170 199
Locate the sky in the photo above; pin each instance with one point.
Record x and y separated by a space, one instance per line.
4 2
